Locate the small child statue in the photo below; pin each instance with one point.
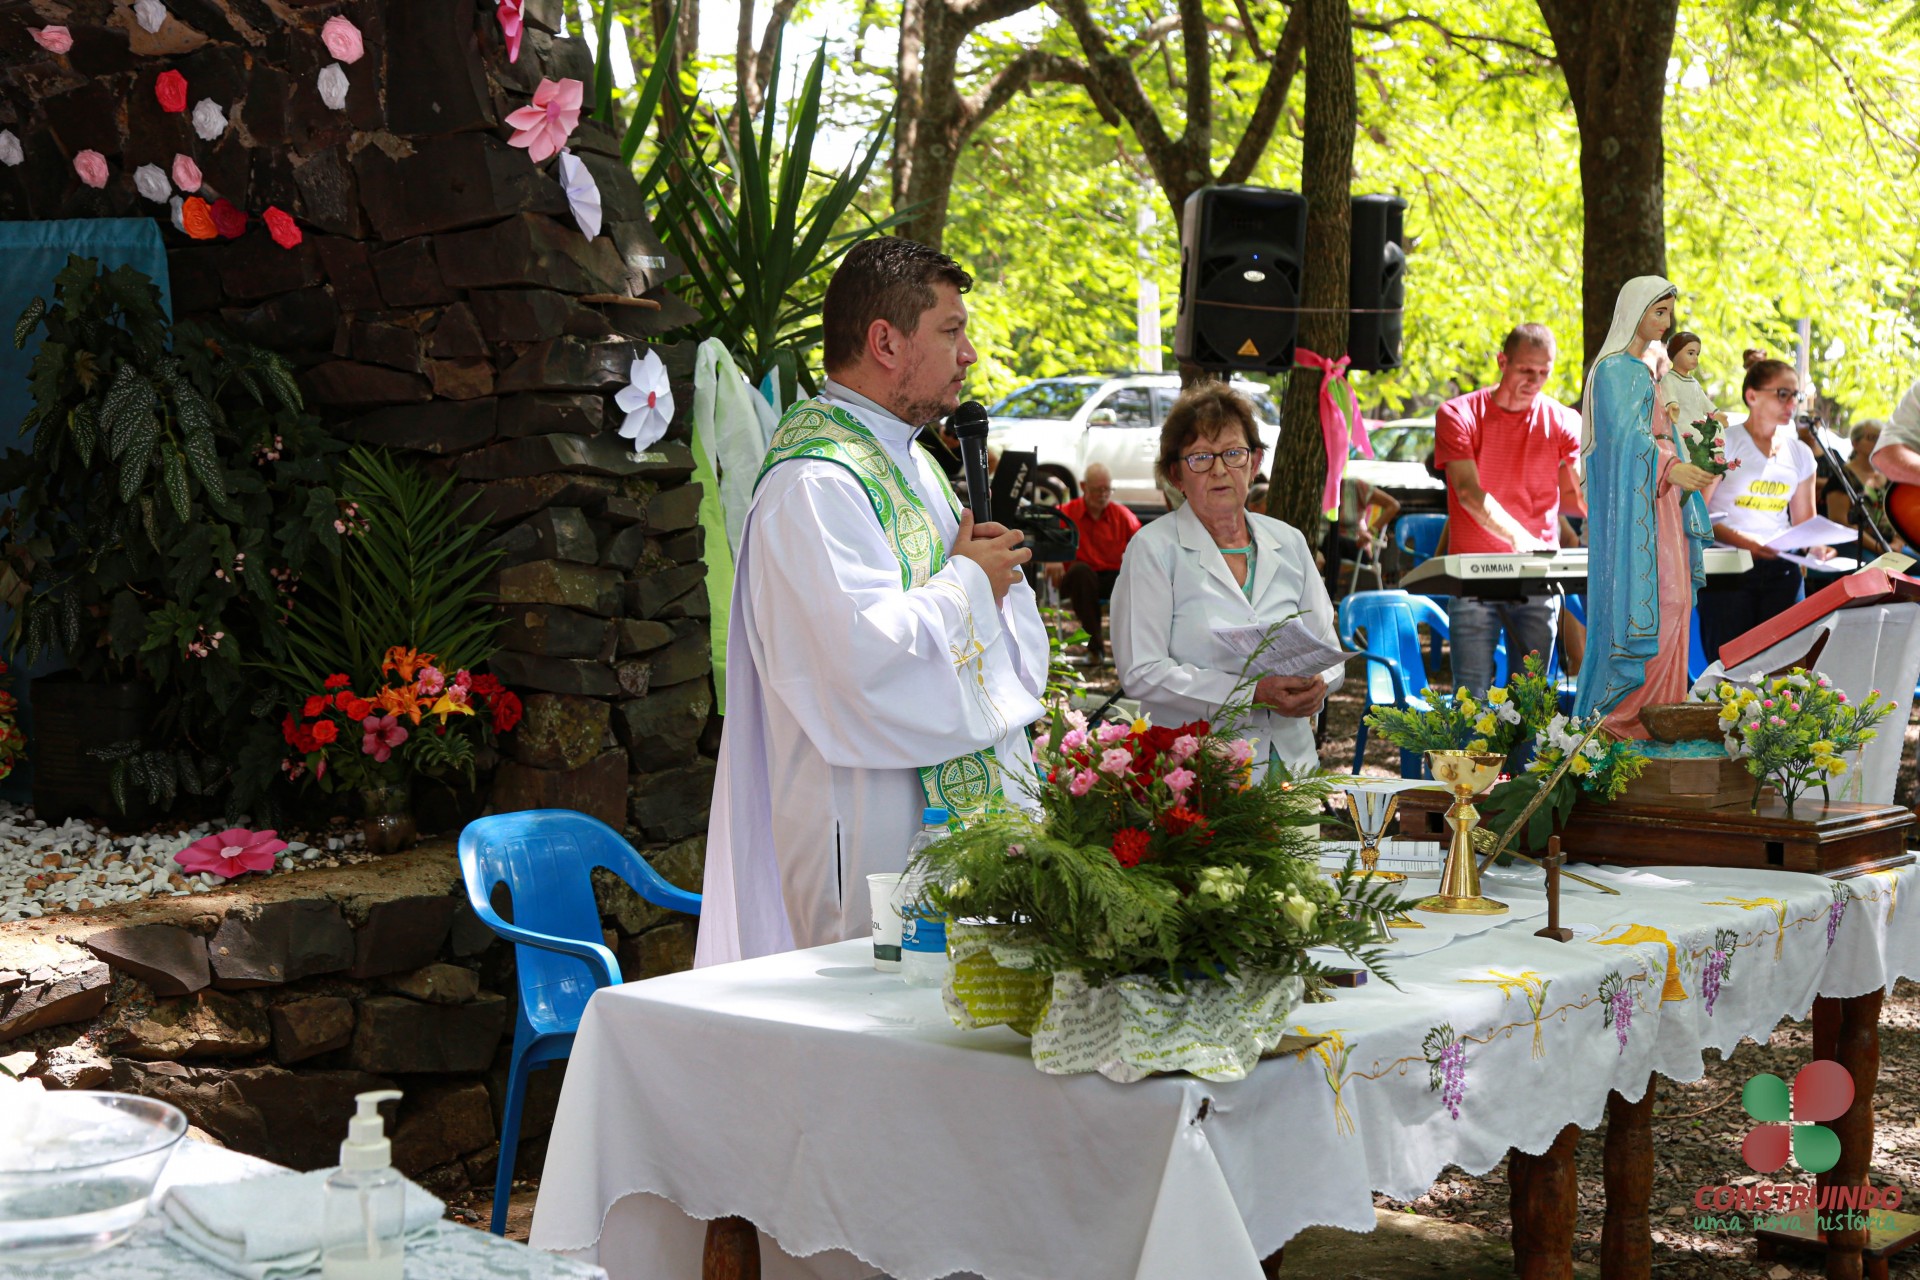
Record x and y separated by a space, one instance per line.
1687 401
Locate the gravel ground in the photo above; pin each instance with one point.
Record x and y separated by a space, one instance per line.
77 867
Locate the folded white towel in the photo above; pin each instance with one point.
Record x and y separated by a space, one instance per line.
270 1228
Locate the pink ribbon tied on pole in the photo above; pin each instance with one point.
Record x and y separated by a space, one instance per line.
1340 428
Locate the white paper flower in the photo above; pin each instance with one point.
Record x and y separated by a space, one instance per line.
179 214
209 121
583 194
151 181
10 152
151 14
648 401
333 85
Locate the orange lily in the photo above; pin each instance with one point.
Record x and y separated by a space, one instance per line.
400 700
406 661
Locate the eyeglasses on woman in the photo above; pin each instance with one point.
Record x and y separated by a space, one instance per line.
1201 463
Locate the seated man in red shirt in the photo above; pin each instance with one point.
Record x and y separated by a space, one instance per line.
1512 458
1105 529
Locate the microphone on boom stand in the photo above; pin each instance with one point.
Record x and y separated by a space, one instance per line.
969 423
1814 430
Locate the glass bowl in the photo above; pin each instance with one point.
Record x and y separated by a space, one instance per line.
77 1169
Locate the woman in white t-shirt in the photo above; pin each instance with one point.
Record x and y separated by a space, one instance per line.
1770 491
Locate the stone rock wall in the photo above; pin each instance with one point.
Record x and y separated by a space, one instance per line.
442 303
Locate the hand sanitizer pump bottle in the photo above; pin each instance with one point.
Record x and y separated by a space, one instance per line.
365 1228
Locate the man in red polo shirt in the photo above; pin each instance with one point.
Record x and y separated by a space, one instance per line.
1512 458
1105 529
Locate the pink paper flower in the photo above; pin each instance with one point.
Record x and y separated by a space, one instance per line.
230 853
342 39
1082 782
186 174
92 168
1178 780
1116 761
508 12
52 39
1183 748
383 734
1110 732
544 127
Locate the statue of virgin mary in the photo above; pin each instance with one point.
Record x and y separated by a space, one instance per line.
1644 546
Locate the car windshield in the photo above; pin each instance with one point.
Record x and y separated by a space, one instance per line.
1045 400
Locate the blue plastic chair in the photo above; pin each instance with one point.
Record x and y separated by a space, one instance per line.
1396 667
1418 534
546 858
1696 649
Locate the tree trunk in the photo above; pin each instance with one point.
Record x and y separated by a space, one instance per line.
1326 178
1614 56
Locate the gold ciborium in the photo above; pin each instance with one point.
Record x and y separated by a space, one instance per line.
1467 774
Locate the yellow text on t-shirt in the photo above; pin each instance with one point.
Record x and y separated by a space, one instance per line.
1764 495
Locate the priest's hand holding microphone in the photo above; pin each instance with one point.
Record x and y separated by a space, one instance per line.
997 549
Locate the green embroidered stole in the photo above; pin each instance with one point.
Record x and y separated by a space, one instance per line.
967 786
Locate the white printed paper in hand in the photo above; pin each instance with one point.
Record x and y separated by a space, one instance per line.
1293 651
1817 532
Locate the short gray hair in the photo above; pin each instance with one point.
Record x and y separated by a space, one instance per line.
1531 334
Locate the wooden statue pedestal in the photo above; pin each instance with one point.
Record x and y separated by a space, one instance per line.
1837 838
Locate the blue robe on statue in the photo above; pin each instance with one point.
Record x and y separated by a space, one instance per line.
1624 615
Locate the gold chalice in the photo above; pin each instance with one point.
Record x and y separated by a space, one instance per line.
1467 774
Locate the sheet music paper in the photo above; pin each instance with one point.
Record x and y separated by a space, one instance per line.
1817 532
1294 650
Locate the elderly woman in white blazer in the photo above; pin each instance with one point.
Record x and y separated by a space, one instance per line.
1213 564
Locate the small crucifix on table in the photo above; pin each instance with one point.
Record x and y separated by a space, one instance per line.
1552 860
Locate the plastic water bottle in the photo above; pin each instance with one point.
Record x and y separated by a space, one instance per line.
923 935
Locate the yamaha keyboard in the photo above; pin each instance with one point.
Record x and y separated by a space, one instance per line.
1513 575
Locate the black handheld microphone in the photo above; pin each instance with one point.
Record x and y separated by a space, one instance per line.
969 423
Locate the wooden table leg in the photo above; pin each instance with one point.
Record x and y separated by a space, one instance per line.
1545 1206
1848 1031
1626 1239
732 1251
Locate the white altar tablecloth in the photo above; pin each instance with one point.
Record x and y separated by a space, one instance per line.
845 1116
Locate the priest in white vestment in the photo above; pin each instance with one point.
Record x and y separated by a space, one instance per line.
862 659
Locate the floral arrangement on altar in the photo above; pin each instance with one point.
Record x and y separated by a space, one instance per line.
420 720
1160 887
1705 446
1511 714
1596 764
1796 730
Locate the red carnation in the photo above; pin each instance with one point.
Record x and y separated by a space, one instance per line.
338 681
356 708
281 226
506 711
487 686
304 742
1130 846
289 730
325 731
171 88
315 705
228 220
1180 820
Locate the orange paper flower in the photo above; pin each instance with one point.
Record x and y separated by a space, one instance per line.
197 218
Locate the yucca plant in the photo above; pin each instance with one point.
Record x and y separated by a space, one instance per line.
409 570
758 227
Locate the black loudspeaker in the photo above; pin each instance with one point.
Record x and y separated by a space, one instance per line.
1240 254
1379 282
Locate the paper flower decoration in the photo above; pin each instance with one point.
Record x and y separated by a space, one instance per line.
544 127
150 14
10 151
228 219
583 194
343 41
52 39
171 88
92 168
648 401
333 86
179 214
209 121
197 220
281 226
231 853
186 174
508 12
151 181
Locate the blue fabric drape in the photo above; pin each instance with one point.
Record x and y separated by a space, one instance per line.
31 254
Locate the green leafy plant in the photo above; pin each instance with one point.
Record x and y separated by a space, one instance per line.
759 227
1796 730
1571 757
1511 714
171 490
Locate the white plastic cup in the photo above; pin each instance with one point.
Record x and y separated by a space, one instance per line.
883 892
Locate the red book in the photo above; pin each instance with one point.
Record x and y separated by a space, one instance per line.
1868 586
